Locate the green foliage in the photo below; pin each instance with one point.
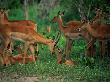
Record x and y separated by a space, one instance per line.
71 7
50 71
46 68
10 4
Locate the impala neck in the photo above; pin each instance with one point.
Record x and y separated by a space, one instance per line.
3 19
91 30
60 23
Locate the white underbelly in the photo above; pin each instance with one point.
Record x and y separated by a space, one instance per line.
21 36
73 35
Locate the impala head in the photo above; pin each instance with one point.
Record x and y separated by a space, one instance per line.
98 12
85 25
54 43
3 15
2 11
58 17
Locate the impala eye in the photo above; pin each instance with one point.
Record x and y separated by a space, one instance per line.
79 29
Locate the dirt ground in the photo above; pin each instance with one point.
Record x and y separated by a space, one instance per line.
17 78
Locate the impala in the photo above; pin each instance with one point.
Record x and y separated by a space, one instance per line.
26 34
28 23
71 32
101 32
4 20
97 22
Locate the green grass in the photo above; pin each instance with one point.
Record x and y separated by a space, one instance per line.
47 69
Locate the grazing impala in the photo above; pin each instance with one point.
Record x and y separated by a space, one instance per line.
26 34
28 23
4 20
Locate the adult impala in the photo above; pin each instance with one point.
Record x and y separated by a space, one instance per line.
4 20
101 32
97 23
26 34
28 23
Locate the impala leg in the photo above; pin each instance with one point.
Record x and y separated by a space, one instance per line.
31 47
12 46
2 59
100 48
88 51
36 49
103 50
103 47
108 48
58 52
67 52
90 43
92 49
26 46
1 55
5 50
66 49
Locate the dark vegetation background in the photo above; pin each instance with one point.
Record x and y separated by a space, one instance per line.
46 68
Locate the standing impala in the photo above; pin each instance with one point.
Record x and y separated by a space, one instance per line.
101 32
97 23
26 34
4 20
28 23
71 32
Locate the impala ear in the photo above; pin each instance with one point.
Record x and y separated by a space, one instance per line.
63 12
6 11
2 11
58 12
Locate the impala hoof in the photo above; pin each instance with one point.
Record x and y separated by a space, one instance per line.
69 62
59 62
